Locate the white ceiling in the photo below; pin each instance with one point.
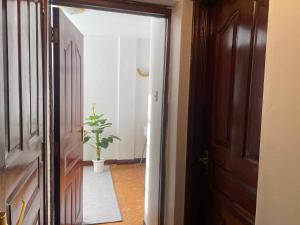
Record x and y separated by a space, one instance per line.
102 23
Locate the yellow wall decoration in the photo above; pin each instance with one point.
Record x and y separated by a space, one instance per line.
141 73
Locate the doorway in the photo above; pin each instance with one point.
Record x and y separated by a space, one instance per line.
100 74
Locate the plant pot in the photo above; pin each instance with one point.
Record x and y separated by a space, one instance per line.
98 165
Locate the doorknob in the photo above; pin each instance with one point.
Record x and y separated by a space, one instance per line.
20 220
81 131
3 219
203 160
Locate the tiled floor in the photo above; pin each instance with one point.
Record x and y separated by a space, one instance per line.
129 181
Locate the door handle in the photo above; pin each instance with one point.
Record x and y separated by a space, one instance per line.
3 219
203 160
21 217
81 131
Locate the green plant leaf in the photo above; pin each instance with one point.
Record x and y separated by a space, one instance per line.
104 143
95 126
95 117
103 121
115 137
86 139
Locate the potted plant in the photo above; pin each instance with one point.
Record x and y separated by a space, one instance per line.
95 125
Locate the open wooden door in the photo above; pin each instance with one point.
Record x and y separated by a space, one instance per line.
22 147
68 120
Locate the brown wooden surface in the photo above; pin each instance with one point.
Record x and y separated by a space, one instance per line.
123 6
197 177
21 115
69 148
233 83
239 44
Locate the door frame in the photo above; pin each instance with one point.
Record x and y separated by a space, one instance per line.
199 99
121 6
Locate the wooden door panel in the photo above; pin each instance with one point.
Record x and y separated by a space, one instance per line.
78 82
40 66
225 59
217 220
28 191
238 46
34 78
67 82
230 89
22 172
257 81
14 141
231 187
68 205
69 78
78 197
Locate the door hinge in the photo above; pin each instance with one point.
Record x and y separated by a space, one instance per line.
54 35
42 6
43 145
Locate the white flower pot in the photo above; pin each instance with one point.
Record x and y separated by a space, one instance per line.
98 165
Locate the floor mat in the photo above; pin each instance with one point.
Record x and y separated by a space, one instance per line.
100 204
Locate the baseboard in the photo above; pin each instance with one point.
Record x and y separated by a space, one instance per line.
87 163
116 161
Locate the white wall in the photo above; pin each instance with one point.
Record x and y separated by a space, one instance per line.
127 93
101 85
116 45
111 81
156 70
104 23
278 200
141 97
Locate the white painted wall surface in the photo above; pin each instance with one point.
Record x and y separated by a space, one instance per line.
104 23
115 46
156 70
141 97
101 85
126 97
111 81
278 200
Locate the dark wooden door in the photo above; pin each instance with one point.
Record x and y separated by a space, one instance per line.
68 87
21 112
239 30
